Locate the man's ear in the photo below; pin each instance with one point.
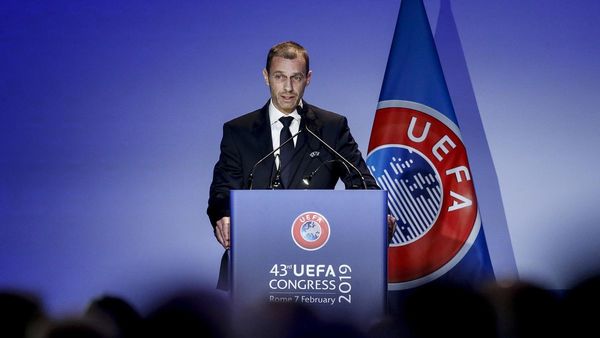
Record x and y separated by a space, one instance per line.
266 76
308 77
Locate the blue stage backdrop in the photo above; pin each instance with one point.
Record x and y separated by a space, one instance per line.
111 115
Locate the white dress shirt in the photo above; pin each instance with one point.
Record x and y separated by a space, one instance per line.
276 126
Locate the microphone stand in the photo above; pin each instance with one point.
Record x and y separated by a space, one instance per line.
306 179
362 178
276 182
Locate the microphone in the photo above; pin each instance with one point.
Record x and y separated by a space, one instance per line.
251 175
342 158
308 178
276 182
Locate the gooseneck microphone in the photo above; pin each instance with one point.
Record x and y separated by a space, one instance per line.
308 178
251 175
276 182
342 158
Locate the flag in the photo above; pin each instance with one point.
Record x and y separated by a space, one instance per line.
417 154
491 207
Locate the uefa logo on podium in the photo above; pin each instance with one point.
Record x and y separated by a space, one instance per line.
310 231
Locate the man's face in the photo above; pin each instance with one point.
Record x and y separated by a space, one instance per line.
286 80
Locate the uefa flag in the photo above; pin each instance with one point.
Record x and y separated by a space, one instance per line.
416 153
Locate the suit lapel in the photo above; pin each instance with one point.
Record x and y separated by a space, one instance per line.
261 131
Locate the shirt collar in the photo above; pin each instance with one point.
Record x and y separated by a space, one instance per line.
275 114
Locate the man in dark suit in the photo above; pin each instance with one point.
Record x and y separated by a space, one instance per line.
303 162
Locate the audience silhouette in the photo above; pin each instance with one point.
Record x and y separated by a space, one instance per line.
503 309
524 309
579 308
189 313
122 316
18 311
445 309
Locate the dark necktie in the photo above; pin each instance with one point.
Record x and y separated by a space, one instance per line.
286 152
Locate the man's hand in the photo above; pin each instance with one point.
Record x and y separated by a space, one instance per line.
222 231
391 223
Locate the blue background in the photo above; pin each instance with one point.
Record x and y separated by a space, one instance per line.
111 115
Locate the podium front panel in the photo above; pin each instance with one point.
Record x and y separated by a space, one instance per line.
325 249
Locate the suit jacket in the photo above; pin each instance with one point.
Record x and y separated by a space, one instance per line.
247 139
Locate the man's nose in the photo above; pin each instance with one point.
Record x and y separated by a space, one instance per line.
287 85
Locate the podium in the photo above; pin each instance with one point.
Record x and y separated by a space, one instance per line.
325 249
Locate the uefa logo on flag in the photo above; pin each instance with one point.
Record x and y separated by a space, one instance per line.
422 163
310 231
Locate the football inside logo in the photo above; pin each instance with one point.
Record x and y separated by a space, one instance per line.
414 190
310 231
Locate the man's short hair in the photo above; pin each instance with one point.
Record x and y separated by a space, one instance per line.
287 50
